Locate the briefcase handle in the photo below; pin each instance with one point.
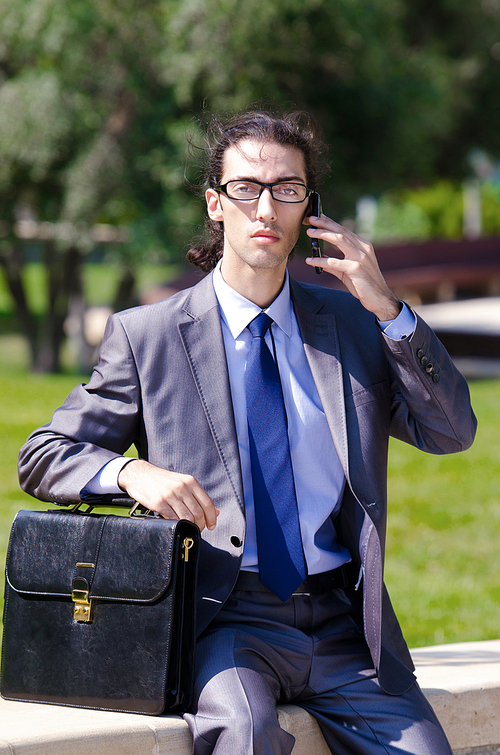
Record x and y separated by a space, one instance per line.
135 508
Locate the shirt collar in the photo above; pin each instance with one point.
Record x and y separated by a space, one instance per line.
237 312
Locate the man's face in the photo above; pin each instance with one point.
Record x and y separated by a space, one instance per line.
259 234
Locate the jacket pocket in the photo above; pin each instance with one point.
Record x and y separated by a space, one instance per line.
377 392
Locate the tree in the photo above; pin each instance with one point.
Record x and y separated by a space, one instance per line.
82 120
395 84
97 98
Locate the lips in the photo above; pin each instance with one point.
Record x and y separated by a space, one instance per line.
265 236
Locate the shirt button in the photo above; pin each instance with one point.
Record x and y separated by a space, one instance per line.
236 541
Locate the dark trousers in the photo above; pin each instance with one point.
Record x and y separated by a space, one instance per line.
309 651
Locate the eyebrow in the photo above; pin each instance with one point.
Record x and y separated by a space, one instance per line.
284 179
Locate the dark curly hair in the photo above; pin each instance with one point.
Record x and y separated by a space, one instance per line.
295 129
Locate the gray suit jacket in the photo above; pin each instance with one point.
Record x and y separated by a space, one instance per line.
162 384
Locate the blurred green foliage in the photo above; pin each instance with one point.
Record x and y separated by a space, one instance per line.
100 100
98 97
435 211
442 204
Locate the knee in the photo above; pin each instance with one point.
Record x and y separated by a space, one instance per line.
244 730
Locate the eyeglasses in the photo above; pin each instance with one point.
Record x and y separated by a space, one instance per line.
281 191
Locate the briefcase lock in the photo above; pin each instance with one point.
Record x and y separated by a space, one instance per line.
82 608
187 544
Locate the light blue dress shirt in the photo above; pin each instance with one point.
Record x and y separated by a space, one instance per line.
318 475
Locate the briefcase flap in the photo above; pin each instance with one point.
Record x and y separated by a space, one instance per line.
121 558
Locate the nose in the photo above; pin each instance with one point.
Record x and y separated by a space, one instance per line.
266 208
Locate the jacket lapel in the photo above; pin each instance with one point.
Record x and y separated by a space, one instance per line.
201 334
321 345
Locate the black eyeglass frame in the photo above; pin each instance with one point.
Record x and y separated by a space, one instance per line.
223 188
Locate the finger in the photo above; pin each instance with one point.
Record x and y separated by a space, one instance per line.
190 508
351 247
210 512
171 494
178 509
324 222
332 265
311 219
334 233
193 498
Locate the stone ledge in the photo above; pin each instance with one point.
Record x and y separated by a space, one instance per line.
461 681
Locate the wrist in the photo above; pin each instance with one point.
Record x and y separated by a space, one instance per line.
127 473
392 308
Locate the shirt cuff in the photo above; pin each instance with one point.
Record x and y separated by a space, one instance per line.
105 481
401 327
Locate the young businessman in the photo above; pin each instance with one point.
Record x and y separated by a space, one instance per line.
261 409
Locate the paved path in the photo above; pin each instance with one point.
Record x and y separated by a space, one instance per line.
467 316
461 321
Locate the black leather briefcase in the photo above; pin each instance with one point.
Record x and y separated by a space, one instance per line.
100 611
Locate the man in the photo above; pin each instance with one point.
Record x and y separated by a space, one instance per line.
291 604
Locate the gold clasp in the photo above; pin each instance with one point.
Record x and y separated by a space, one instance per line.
82 609
187 544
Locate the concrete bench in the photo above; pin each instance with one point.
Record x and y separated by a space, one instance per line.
461 681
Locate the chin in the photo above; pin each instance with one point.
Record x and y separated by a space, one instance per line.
266 259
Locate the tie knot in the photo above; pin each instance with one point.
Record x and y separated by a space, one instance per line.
260 325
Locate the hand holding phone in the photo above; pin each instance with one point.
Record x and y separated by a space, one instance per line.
316 244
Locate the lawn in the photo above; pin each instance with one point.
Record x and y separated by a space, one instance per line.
100 281
443 554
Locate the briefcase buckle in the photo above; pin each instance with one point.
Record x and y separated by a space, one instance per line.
82 609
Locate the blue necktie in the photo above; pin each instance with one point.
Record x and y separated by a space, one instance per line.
279 546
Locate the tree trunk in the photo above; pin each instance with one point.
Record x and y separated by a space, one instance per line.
125 293
64 281
12 261
64 276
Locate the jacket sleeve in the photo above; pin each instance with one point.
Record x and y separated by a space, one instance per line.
98 422
431 406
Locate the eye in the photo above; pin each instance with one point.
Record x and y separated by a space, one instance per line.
243 188
287 190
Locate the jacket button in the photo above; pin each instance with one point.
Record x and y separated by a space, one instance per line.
435 378
423 360
420 353
430 368
236 541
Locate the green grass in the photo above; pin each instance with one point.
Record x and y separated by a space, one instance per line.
100 281
27 402
443 554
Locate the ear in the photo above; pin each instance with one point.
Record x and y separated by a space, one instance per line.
307 213
213 205
306 216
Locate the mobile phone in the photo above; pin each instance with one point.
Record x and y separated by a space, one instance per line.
316 244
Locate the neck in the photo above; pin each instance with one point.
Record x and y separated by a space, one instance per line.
260 286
